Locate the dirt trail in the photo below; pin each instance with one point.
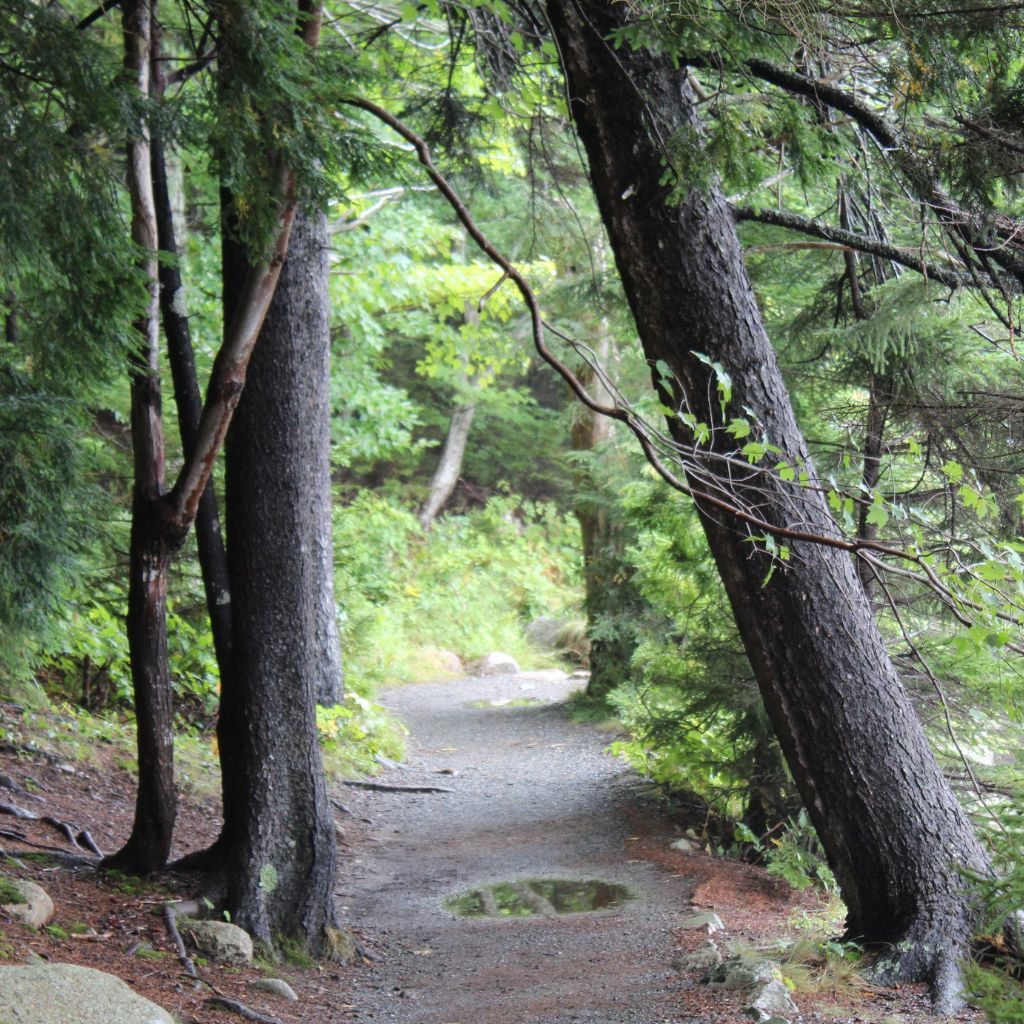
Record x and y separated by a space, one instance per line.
533 796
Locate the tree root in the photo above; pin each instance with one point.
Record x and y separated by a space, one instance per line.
225 1003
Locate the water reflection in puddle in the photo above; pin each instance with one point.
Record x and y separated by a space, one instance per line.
543 897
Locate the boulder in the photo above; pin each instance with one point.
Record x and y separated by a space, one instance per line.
739 972
220 941
494 664
435 661
35 908
68 994
771 1000
275 987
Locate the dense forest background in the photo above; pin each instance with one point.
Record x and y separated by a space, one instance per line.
871 162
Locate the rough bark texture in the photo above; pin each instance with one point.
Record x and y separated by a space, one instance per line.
893 830
278 838
152 540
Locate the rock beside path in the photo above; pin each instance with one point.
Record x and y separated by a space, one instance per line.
36 908
68 994
494 664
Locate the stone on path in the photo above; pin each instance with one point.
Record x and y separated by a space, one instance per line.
68 994
35 910
494 664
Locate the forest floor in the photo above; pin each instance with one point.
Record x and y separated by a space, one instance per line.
515 791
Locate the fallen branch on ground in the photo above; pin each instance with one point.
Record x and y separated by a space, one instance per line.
383 787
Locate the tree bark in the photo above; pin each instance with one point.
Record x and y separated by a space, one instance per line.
162 519
893 831
278 837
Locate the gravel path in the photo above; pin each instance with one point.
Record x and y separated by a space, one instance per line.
533 796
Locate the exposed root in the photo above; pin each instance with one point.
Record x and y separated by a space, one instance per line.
224 1003
935 959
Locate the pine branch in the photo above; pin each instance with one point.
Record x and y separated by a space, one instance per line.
995 244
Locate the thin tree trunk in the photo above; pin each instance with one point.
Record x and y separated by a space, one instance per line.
152 544
446 476
189 402
453 452
609 592
894 834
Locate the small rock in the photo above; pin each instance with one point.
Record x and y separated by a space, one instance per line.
736 973
684 845
772 1000
274 987
704 959
36 909
494 664
219 940
709 920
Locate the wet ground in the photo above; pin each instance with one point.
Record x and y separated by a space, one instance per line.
533 800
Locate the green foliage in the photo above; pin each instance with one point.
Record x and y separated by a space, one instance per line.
355 733
469 586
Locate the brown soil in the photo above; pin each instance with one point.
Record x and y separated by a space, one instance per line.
531 795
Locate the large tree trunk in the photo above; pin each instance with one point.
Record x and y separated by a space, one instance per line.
278 838
893 831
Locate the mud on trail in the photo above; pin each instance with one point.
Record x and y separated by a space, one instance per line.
532 796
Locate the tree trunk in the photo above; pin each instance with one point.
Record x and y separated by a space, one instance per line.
449 466
189 402
152 541
446 476
278 838
894 833
610 597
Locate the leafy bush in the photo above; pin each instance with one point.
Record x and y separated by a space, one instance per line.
469 585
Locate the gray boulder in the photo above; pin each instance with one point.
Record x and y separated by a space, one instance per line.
36 908
220 941
68 994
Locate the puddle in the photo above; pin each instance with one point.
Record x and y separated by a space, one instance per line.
539 897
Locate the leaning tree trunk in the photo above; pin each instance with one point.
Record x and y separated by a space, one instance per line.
278 837
894 833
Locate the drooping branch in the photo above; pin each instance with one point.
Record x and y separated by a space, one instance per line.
908 258
654 446
997 243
